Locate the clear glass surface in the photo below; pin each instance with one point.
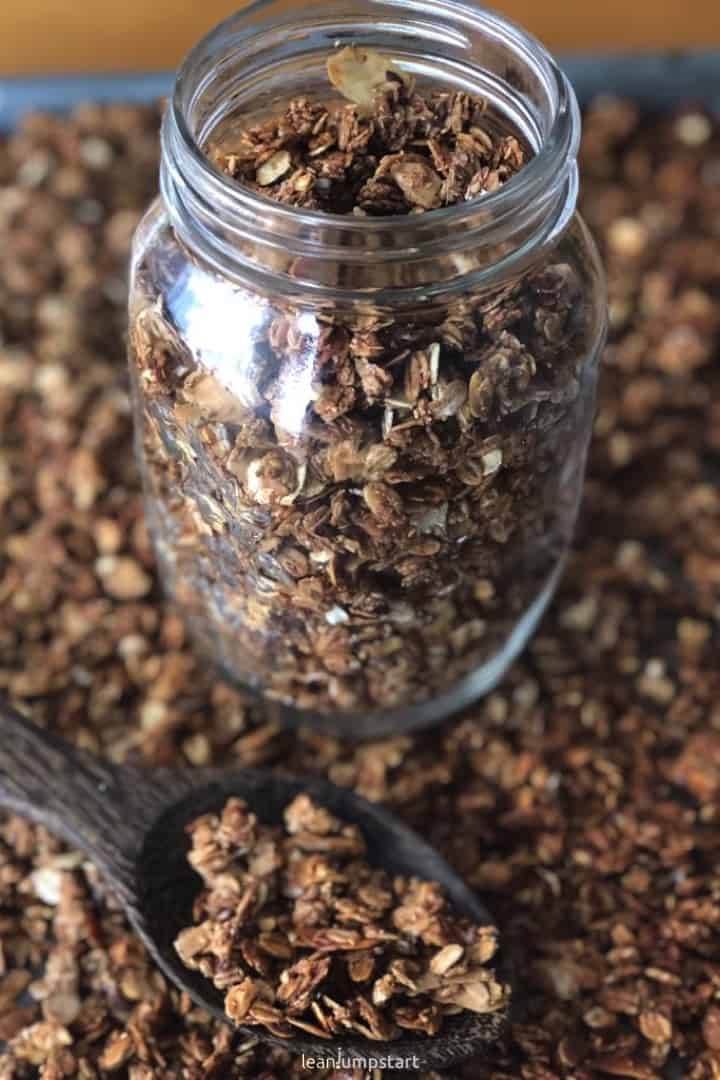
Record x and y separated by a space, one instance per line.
363 446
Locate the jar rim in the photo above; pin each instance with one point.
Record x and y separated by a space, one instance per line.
548 171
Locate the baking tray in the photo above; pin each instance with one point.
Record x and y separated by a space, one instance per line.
654 80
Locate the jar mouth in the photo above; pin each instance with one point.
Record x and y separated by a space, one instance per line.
456 43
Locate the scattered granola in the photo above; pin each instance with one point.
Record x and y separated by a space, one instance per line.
585 809
301 933
355 506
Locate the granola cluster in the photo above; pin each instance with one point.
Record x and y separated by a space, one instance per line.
355 507
581 797
301 933
393 150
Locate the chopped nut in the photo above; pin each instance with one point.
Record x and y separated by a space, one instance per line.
446 958
118 1051
419 183
694 129
239 999
655 1026
491 462
627 237
47 883
711 1028
272 169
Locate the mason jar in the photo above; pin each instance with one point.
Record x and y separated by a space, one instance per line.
363 438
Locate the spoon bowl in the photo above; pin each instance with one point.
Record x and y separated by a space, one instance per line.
132 824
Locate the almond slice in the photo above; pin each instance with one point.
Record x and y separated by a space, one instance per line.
359 73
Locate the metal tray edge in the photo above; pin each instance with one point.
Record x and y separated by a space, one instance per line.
654 80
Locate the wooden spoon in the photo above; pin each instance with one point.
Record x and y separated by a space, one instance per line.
131 823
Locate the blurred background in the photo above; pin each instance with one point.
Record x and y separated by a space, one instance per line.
44 36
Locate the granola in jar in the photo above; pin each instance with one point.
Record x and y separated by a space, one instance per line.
363 466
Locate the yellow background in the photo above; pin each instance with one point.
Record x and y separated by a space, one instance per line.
100 35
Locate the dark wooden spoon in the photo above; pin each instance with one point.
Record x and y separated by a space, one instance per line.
131 823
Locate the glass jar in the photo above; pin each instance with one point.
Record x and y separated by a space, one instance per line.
363 439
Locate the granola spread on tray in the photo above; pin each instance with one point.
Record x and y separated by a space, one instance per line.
581 797
354 506
303 935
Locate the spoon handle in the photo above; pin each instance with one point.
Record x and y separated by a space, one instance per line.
77 796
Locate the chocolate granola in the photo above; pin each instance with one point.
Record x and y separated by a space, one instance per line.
355 506
393 150
302 934
581 797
